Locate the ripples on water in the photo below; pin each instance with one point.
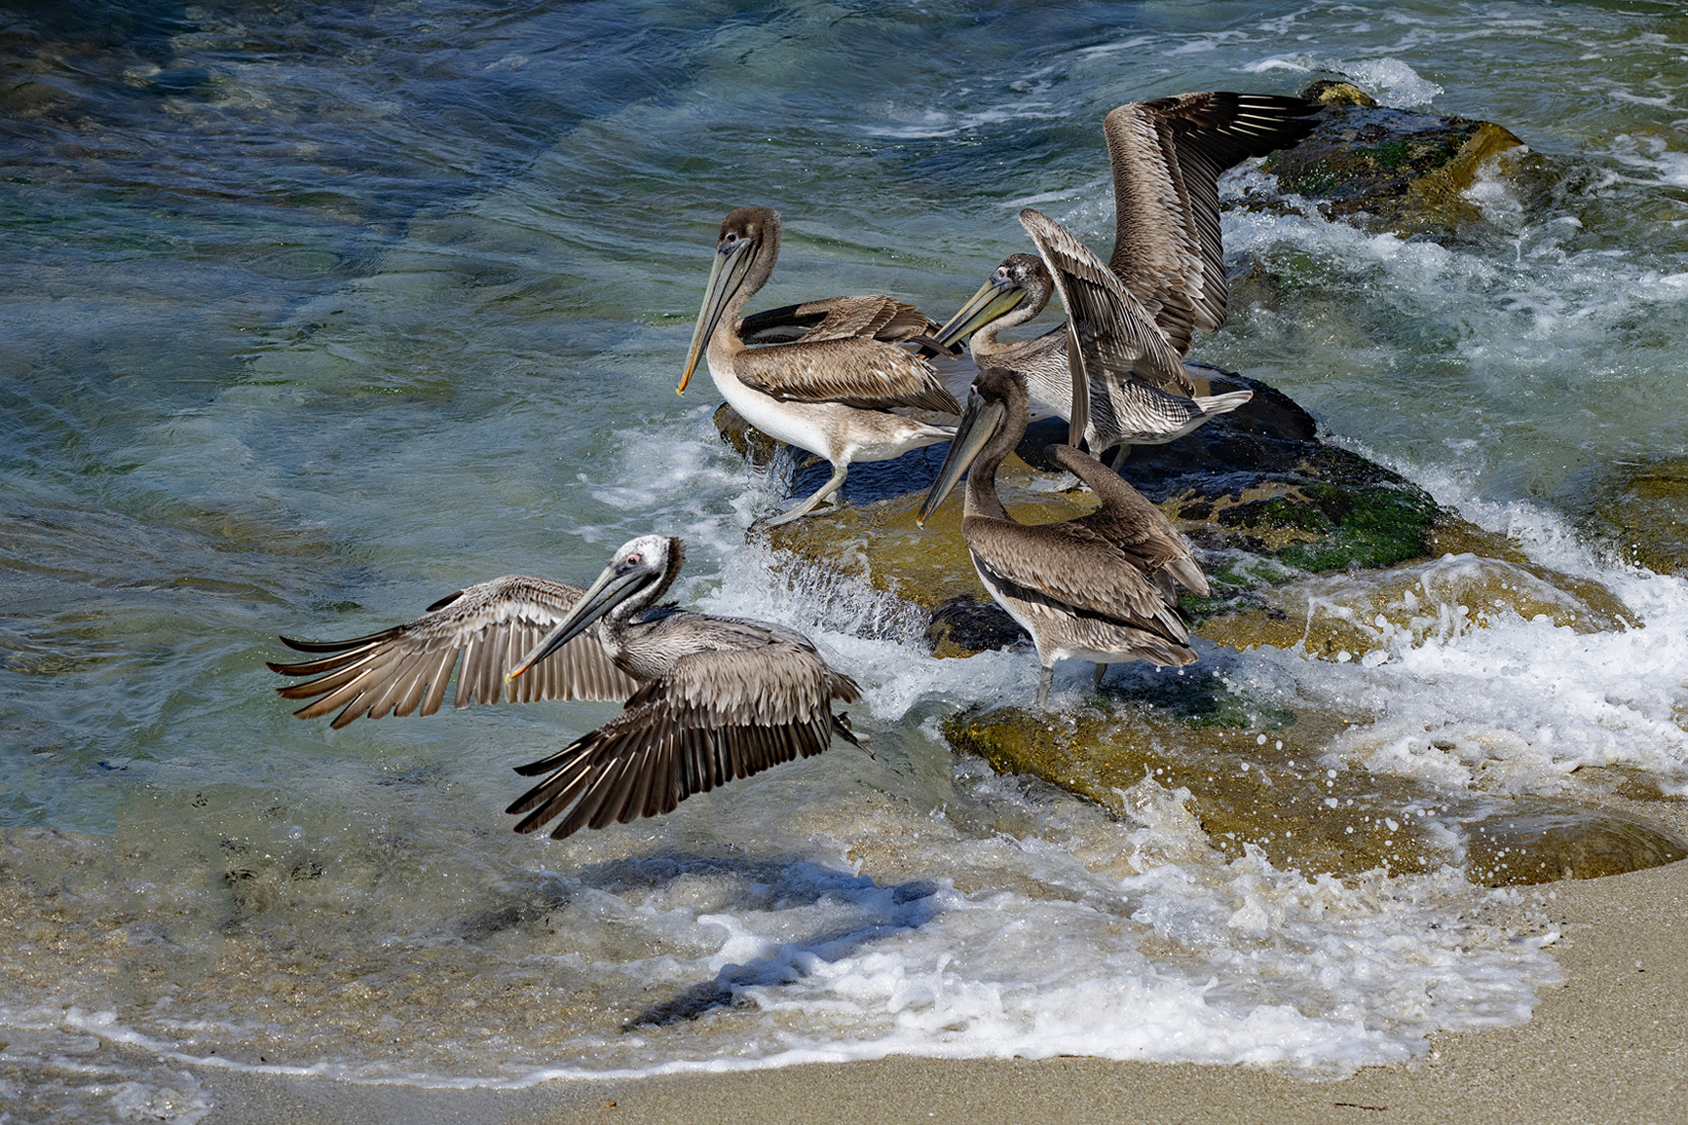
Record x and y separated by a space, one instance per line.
313 316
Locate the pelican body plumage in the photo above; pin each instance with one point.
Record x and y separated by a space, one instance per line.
836 388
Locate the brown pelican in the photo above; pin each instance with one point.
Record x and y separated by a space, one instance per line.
834 390
708 699
1099 588
1167 156
719 698
1122 410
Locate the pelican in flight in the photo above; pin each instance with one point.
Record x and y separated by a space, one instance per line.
708 699
1100 588
1133 317
835 389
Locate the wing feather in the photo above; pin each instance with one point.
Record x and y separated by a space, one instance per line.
863 373
1113 335
1167 157
677 738
487 628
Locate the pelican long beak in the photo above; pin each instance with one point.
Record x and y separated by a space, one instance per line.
993 301
602 596
979 423
732 263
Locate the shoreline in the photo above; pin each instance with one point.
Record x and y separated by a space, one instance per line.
1610 1045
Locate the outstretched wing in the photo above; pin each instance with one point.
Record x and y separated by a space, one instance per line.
1110 335
716 717
1167 156
491 626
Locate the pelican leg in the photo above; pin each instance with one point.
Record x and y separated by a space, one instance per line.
1044 681
833 484
1100 669
1121 452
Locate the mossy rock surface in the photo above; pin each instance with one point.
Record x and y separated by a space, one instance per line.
1391 169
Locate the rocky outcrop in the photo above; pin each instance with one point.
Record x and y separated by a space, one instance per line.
1390 169
1308 547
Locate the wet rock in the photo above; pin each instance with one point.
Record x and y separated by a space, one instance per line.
1641 510
1301 541
963 626
1253 782
878 542
1542 845
1345 616
1390 169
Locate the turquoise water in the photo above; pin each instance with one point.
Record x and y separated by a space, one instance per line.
313 316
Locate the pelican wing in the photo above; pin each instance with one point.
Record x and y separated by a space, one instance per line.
871 316
1129 521
716 717
1167 156
1077 566
851 372
1111 333
491 626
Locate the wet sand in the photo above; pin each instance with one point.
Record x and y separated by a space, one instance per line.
1610 1046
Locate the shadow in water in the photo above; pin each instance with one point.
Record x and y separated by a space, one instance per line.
870 912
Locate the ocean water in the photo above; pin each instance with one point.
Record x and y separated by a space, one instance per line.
314 315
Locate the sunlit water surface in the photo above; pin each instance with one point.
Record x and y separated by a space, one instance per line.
314 316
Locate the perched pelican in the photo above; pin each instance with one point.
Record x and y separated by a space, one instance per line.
708 699
1099 588
1167 156
1122 410
834 390
719 698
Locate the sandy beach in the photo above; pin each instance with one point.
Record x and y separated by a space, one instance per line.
1609 1046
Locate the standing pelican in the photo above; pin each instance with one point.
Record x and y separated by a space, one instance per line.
1122 410
1099 588
720 698
1167 156
832 391
708 699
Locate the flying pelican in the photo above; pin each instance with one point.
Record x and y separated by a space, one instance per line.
719 698
708 699
1099 588
832 391
1122 410
1167 156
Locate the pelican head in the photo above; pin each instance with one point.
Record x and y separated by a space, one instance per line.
644 566
1022 280
981 420
744 256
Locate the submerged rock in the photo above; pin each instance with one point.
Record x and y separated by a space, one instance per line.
1642 511
1253 782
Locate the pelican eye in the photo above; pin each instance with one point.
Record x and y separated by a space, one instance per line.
634 560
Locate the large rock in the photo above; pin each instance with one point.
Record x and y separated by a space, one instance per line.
1253 783
1390 169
